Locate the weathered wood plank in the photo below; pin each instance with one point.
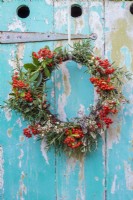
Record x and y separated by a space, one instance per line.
95 164
29 172
119 39
82 179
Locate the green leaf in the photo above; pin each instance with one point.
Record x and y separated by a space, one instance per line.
47 72
35 60
34 76
30 66
48 61
44 86
12 94
22 94
39 79
43 65
47 47
58 49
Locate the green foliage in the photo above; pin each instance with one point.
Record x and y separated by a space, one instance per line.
29 92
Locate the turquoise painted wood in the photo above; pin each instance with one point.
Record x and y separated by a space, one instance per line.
27 171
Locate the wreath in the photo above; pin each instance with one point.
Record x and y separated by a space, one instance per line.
29 97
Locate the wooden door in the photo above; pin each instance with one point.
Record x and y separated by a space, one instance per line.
27 171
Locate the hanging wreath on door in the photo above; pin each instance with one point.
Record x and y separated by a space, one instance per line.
29 97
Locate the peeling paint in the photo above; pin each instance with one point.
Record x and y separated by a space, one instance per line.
96 26
60 18
22 188
58 85
12 62
81 186
113 188
66 82
9 132
119 27
19 122
71 164
114 133
7 113
1 172
20 157
62 100
16 24
79 24
128 175
21 138
49 2
96 178
81 111
44 151
20 54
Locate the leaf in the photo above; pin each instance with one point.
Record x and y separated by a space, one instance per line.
27 110
58 49
22 94
47 47
48 61
47 72
43 65
35 60
44 86
12 94
34 76
39 79
30 66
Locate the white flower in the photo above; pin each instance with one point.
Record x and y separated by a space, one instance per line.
40 59
96 63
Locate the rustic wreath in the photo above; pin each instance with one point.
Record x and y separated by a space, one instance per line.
29 97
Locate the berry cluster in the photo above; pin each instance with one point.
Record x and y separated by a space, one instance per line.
104 112
101 84
28 96
103 63
43 53
31 130
106 66
73 137
18 84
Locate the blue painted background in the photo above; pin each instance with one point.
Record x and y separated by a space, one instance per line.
27 171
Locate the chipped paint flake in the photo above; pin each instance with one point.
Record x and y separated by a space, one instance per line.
71 164
22 188
128 175
44 151
7 113
21 138
12 61
81 111
19 55
61 18
96 178
81 186
16 24
114 133
62 100
49 2
96 26
113 188
20 157
19 122
79 24
1 172
9 132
